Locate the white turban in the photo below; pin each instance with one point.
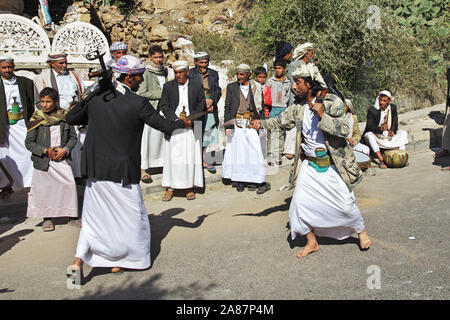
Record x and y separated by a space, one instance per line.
6 58
201 56
180 65
385 93
128 64
118 46
301 50
56 56
245 68
303 71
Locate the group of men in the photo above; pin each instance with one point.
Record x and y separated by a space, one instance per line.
160 116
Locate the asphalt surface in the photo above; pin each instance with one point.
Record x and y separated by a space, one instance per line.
242 248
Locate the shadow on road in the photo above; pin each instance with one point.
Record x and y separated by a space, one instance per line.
9 241
162 224
149 289
300 241
268 211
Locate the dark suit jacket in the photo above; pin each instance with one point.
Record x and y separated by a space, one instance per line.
112 148
38 139
373 119
26 91
232 101
170 99
214 88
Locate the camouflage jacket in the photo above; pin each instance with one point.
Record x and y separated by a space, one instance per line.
335 129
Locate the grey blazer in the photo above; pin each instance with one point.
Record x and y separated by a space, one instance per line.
38 139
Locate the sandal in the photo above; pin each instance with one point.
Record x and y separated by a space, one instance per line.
146 178
190 195
168 195
210 168
48 225
74 223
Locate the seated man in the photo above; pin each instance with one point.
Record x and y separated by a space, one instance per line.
354 136
382 127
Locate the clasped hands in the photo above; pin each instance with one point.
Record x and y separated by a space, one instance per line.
56 154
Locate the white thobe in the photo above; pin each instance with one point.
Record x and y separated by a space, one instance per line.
183 167
321 203
115 227
14 155
243 159
152 146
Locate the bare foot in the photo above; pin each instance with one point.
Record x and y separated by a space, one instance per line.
309 248
115 270
364 240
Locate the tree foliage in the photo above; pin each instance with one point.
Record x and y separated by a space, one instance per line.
370 44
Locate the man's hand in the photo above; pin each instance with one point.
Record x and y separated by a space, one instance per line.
384 127
51 154
318 109
187 123
351 141
255 124
59 153
209 105
228 132
391 133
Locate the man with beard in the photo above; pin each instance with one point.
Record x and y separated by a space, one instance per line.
116 230
182 151
323 203
210 80
243 160
16 109
155 76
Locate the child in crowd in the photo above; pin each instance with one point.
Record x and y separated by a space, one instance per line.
280 87
261 77
50 139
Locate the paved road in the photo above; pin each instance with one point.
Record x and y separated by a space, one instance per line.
242 250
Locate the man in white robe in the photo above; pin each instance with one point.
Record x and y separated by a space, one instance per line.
183 168
325 169
16 108
382 127
115 229
243 161
69 87
155 76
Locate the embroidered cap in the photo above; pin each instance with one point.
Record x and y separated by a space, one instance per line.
128 64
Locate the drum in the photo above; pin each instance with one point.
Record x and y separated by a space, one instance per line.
362 159
396 158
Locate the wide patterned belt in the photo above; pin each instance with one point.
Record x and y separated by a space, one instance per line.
321 162
15 116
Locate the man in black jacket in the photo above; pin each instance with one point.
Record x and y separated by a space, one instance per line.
210 80
243 160
16 108
182 152
382 127
115 228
